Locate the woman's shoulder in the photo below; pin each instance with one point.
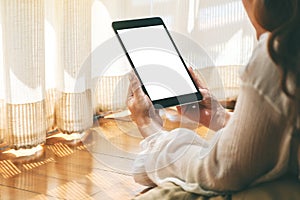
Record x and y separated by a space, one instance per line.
261 71
259 62
263 75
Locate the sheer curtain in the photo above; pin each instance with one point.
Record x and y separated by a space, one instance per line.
69 47
43 85
46 79
23 72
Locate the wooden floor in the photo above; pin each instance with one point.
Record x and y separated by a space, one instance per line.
98 168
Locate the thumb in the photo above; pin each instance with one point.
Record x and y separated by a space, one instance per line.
135 85
179 109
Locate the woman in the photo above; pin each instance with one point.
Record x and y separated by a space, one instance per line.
259 142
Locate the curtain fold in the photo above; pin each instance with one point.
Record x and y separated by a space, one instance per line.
35 96
111 93
74 111
2 121
23 72
2 89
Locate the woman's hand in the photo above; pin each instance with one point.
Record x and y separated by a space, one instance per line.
142 110
209 112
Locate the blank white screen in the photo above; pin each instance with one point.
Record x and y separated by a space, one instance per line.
157 62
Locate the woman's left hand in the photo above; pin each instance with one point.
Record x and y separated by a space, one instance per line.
209 112
142 110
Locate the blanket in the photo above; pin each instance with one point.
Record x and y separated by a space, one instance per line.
285 188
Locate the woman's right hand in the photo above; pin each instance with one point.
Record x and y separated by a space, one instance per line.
142 111
209 112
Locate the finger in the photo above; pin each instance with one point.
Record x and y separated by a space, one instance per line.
179 109
200 83
129 92
194 76
204 91
135 84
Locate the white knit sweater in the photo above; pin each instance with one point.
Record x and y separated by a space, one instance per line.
254 146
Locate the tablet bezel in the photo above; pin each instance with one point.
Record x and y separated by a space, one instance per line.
147 22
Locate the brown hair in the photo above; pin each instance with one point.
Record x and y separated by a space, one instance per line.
282 19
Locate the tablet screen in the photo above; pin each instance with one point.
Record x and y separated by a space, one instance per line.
158 65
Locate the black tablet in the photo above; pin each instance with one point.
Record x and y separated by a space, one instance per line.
157 62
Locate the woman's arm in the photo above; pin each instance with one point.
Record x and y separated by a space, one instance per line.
249 147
